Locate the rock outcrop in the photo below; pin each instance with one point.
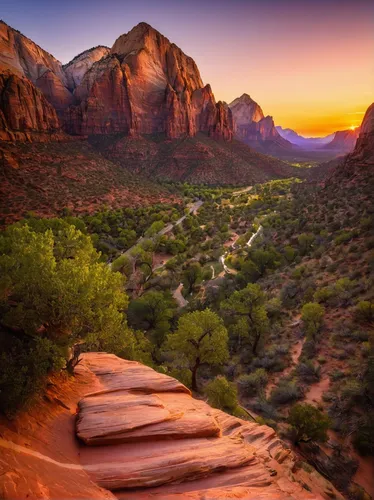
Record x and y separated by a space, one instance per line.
344 141
146 85
143 436
167 443
246 110
255 129
362 157
78 67
25 114
21 56
364 148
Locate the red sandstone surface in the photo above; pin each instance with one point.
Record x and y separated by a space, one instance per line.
139 410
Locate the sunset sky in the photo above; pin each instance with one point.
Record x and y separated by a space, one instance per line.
308 63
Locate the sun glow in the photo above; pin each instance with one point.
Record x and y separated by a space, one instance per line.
352 127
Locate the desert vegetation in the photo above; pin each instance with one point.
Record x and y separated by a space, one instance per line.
275 327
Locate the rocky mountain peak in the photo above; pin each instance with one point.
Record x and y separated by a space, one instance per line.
146 85
78 67
245 110
254 128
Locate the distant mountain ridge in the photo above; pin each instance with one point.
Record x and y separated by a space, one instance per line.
304 142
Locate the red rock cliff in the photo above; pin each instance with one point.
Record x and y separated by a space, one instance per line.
23 57
25 114
146 85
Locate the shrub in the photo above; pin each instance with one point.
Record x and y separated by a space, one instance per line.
363 439
265 408
312 316
308 371
324 294
308 423
24 366
253 383
365 311
309 349
286 392
305 242
123 265
221 394
343 237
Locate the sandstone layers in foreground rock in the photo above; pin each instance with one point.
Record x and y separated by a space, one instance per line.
146 437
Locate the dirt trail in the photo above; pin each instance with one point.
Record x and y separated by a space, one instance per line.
177 294
317 390
295 355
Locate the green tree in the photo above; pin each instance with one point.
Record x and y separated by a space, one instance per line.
248 309
312 317
222 394
155 228
305 242
289 253
192 275
123 265
54 287
201 337
264 259
153 311
308 423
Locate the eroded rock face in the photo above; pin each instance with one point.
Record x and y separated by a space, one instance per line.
246 110
78 67
23 57
365 142
169 445
363 154
55 91
24 111
344 141
148 86
253 128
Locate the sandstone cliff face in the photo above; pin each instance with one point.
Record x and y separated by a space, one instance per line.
246 110
105 101
25 114
344 141
253 128
153 86
21 56
142 429
364 148
54 90
78 67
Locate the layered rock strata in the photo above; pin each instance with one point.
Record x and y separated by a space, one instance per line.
144 430
146 85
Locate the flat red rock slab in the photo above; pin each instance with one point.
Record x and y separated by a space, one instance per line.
119 374
130 466
118 417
